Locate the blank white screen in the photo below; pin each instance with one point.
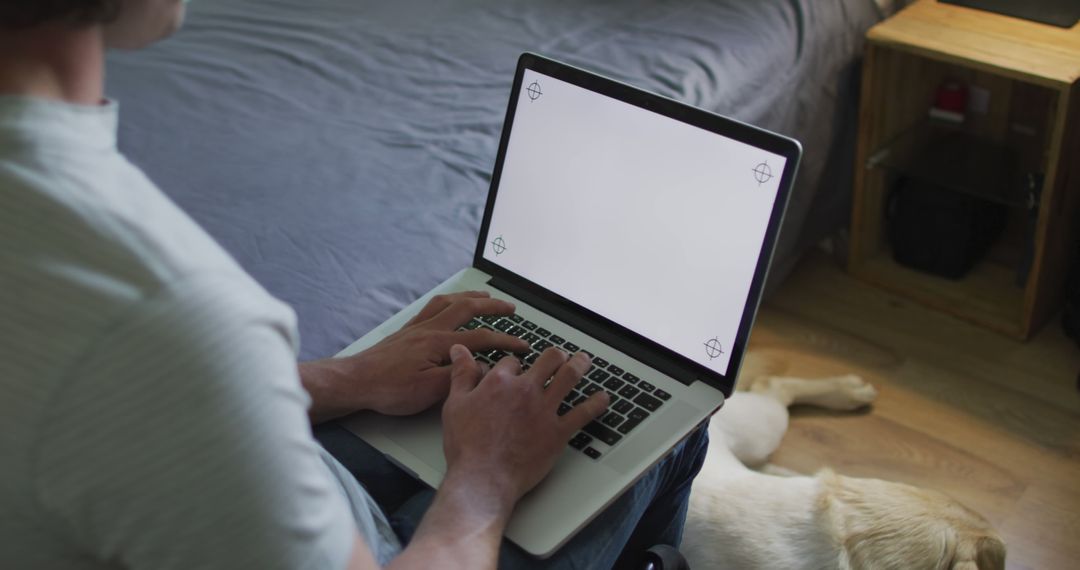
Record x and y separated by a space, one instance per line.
647 221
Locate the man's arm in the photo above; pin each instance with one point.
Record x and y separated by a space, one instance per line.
462 528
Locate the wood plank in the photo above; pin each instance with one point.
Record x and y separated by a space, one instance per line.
1057 235
986 296
1029 51
1045 367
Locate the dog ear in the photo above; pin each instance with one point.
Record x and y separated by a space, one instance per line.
988 554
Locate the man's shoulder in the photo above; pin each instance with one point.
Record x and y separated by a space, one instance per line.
87 252
112 222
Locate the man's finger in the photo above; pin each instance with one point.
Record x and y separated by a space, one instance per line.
509 364
439 303
487 339
545 366
584 413
567 376
461 310
464 372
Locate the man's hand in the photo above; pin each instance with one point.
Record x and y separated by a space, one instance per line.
406 372
503 431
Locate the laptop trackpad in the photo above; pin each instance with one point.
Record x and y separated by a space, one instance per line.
421 435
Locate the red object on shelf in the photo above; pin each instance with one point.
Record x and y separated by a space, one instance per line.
950 102
952 97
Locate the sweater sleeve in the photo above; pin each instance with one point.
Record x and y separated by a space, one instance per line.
181 440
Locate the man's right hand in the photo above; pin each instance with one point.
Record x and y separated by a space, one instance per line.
502 430
502 434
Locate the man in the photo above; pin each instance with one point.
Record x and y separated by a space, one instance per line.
152 414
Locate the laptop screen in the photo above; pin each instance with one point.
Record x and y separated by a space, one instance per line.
647 221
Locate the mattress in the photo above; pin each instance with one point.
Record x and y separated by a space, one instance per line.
341 150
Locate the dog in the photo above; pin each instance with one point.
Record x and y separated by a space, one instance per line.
743 519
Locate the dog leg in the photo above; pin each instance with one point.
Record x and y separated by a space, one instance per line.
843 393
750 427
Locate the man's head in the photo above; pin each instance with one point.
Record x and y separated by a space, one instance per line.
127 24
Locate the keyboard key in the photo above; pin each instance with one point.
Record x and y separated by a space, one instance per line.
563 408
629 392
571 347
580 440
489 319
629 424
529 325
648 402
616 370
603 433
592 452
600 362
645 386
582 384
472 324
515 318
631 378
662 394
503 325
543 332
556 339
614 384
578 401
573 395
592 389
530 338
599 375
541 345
531 358
611 419
637 414
622 406
516 331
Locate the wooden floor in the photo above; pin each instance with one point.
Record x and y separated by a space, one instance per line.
991 421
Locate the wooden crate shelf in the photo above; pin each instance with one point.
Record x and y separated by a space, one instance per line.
1030 72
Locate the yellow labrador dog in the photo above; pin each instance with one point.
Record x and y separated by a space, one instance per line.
741 519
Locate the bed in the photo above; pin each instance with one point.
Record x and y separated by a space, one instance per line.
341 150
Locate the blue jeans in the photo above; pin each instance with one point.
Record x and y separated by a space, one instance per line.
651 512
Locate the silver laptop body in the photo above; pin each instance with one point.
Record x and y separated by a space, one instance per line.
631 226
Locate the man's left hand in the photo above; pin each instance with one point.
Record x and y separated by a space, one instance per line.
408 371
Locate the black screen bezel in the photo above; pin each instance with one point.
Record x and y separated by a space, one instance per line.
628 341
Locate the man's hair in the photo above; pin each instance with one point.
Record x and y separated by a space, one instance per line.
23 14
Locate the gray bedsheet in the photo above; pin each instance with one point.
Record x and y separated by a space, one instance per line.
341 149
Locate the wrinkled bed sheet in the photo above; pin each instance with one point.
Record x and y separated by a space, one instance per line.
341 149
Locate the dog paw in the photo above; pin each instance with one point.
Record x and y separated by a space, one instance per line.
852 392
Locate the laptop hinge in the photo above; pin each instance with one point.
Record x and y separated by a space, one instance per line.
645 354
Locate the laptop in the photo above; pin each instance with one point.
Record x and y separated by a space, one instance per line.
628 225
1061 13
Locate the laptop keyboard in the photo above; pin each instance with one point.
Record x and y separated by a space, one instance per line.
632 399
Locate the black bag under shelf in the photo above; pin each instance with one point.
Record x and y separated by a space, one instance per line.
939 231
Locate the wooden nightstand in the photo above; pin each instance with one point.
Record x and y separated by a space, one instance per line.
1030 73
